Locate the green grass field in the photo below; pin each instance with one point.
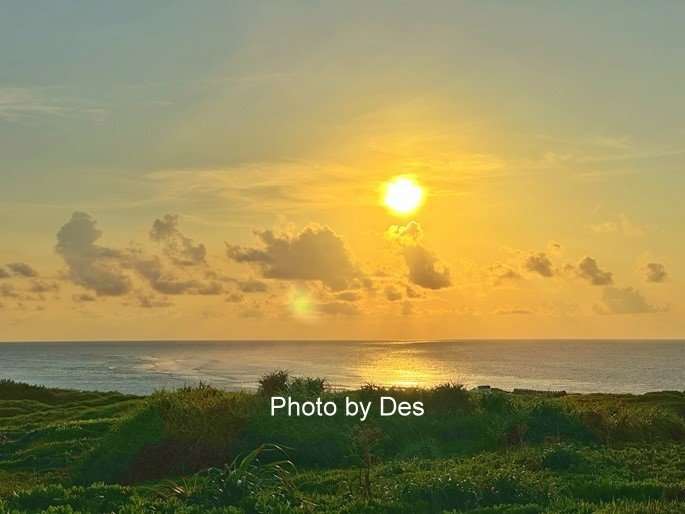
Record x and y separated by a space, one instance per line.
200 449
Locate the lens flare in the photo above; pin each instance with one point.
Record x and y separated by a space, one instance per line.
301 305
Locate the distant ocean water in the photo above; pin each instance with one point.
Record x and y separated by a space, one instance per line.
142 367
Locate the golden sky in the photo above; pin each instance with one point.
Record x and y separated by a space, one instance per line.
170 172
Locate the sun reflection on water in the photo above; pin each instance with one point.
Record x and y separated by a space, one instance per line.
409 368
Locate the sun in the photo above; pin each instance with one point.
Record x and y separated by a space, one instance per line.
402 195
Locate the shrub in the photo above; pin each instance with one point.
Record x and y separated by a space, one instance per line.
448 397
274 383
560 457
232 484
497 402
174 432
308 386
547 419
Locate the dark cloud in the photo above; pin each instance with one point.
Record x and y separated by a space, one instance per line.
180 249
91 266
83 297
235 297
317 253
392 294
348 296
8 291
167 281
38 286
624 301
501 274
151 302
588 270
538 262
413 293
252 286
22 269
655 272
337 308
210 288
3 273
102 269
425 269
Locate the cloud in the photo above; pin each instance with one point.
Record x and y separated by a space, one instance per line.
655 272
623 225
254 310
337 308
624 301
22 269
407 235
538 262
83 297
8 291
91 266
413 293
512 310
392 294
38 286
180 249
316 253
407 308
167 281
18 104
499 274
588 270
3 273
102 269
235 297
252 286
348 296
425 270
554 247
151 302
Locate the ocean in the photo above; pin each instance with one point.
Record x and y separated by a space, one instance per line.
141 367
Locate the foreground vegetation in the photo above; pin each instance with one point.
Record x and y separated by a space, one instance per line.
200 449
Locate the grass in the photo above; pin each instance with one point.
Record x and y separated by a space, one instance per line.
199 449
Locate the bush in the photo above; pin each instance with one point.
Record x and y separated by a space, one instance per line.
234 483
448 397
274 383
497 402
551 420
308 387
560 457
175 432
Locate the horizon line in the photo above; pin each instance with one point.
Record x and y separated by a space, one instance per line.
327 340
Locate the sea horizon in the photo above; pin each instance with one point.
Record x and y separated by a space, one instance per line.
358 340
143 366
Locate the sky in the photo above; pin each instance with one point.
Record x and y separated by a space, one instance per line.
170 170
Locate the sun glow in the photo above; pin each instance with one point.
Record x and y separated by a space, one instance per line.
402 195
